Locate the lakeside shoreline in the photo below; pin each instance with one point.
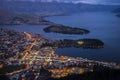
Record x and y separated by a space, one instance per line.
52 41
36 58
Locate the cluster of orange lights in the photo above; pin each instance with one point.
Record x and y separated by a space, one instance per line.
58 73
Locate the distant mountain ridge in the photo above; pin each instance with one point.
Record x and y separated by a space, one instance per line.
52 8
105 2
11 18
59 1
39 7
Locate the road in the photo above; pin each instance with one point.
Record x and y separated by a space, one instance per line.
31 46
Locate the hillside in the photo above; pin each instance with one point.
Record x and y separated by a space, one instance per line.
7 17
52 7
39 7
99 73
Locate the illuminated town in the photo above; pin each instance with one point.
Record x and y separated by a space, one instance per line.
23 48
59 40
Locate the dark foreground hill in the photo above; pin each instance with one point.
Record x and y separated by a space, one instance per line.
100 73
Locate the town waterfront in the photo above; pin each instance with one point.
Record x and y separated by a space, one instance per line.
102 25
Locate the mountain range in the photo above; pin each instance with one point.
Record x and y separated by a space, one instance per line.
53 7
105 2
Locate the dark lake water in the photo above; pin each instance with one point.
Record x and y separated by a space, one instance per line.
102 25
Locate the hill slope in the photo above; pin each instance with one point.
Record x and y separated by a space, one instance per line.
52 7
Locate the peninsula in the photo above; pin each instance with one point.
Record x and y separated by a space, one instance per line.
65 29
81 43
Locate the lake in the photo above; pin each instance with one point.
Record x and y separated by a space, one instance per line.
102 25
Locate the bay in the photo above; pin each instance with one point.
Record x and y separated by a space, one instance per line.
102 25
